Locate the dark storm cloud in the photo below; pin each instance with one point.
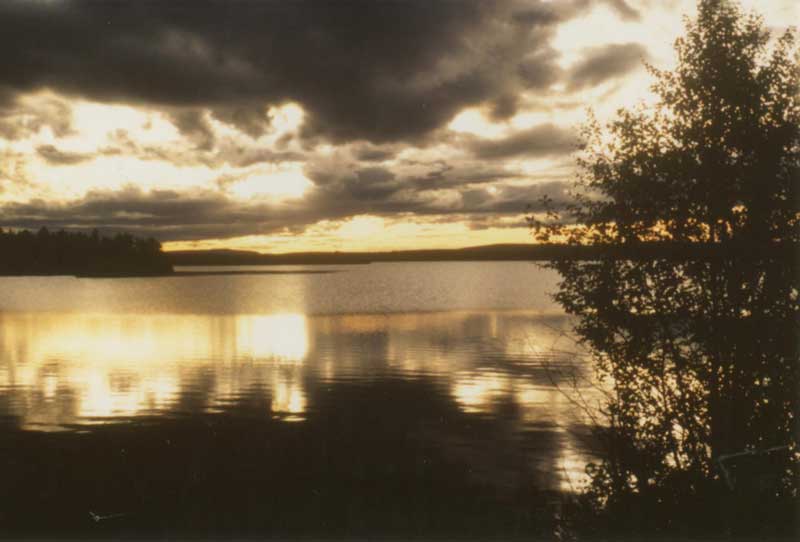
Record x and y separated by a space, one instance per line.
380 71
504 107
57 157
369 184
606 62
251 120
375 75
538 73
371 153
195 126
374 175
539 141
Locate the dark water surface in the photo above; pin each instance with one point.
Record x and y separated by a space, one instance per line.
389 399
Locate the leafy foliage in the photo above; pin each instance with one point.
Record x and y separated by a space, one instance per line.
699 355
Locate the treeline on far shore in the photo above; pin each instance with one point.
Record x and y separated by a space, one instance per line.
503 252
82 254
24 252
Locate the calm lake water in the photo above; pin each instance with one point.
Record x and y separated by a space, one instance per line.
412 399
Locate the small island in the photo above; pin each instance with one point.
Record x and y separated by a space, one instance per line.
24 252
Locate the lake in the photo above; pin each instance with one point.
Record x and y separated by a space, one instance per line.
410 399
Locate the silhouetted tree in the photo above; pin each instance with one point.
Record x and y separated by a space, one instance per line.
698 356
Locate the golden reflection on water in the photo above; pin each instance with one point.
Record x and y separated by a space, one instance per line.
67 371
63 370
288 397
476 393
274 336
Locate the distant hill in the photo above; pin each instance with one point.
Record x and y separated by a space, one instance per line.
502 252
243 257
480 253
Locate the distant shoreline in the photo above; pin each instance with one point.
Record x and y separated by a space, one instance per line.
507 252
503 252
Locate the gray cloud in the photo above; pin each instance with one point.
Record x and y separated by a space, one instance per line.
378 76
19 120
547 13
511 200
372 153
606 62
250 119
194 125
202 214
543 140
57 157
165 214
224 151
624 10
378 71
379 189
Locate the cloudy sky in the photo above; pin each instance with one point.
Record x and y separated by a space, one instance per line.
312 125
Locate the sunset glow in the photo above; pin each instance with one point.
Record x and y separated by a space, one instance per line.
380 166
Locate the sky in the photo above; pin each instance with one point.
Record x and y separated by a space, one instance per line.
314 125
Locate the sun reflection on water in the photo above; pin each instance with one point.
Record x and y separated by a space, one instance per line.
476 393
274 336
288 397
69 371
